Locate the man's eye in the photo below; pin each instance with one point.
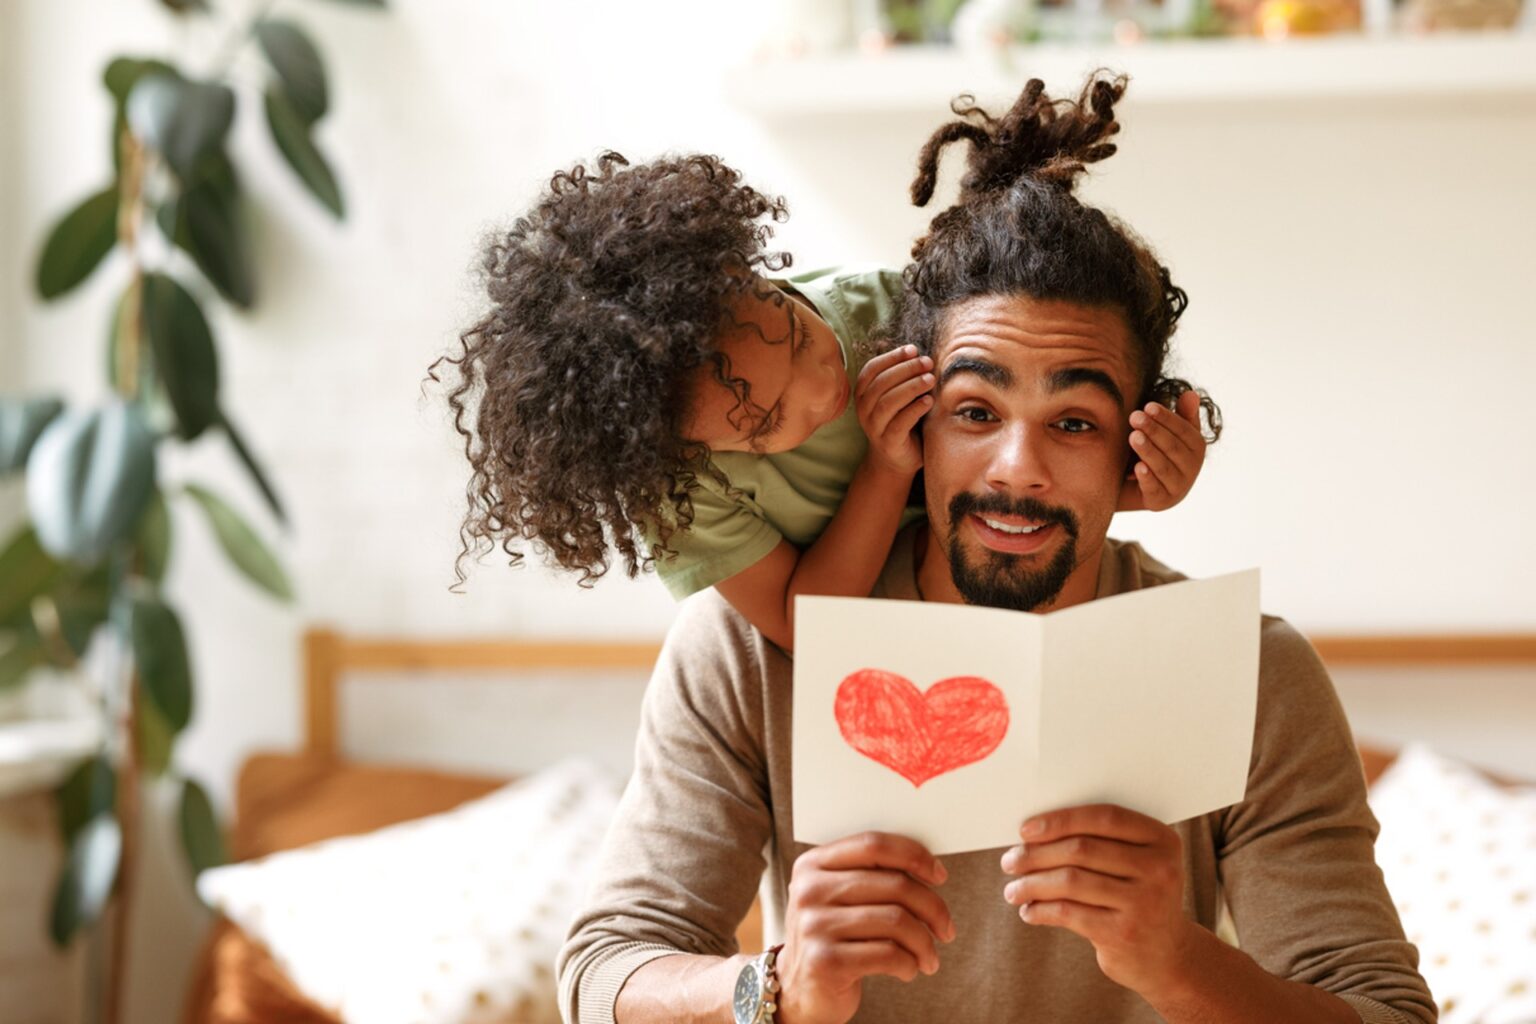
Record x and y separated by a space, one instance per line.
1076 426
975 414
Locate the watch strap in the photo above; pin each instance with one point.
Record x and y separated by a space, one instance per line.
771 987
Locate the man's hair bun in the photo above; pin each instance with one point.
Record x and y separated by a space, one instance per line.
1050 141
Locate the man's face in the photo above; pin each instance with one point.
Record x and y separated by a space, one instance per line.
1026 446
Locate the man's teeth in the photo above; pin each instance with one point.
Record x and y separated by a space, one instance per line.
1005 528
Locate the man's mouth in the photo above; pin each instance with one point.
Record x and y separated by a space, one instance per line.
1006 527
1011 535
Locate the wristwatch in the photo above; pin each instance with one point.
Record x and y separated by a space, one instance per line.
757 990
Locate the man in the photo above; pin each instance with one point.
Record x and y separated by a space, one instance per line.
1047 323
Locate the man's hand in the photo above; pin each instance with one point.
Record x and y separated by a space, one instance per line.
1114 877
859 906
1172 450
892 394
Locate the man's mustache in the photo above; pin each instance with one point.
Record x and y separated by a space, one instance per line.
965 503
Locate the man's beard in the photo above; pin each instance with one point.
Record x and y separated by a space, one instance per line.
1001 580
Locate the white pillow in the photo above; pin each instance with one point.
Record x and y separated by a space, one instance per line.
453 918
1459 856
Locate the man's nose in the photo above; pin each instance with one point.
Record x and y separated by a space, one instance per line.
1020 463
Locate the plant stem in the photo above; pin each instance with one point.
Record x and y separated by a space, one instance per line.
128 817
130 214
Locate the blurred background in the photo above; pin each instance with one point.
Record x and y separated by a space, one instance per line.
1346 190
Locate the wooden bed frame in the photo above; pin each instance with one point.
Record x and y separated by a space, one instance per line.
329 655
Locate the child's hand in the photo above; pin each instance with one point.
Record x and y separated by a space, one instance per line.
1171 448
892 394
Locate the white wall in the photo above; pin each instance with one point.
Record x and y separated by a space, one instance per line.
1359 274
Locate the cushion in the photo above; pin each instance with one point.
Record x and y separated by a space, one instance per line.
454 917
1459 856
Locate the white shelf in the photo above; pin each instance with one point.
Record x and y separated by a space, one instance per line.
924 79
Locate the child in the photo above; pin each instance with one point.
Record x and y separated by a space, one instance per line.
642 385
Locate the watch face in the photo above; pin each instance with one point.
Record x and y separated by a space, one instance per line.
748 990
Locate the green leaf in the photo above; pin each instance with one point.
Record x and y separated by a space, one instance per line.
123 73
26 570
242 545
160 655
88 479
243 452
78 243
206 223
291 133
88 878
89 792
153 739
182 120
154 537
185 357
200 835
120 77
82 605
21 421
298 66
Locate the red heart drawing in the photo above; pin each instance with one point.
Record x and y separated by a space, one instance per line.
919 735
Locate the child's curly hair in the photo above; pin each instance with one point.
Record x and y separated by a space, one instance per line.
604 300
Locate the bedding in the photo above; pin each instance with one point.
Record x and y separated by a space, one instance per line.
454 918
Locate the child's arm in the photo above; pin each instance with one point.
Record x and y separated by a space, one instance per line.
892 394
1172 450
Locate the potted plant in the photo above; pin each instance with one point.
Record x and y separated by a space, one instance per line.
87 565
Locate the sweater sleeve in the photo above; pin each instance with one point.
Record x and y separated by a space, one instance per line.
681 862
1297 856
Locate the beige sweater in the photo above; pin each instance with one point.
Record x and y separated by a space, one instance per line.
709 802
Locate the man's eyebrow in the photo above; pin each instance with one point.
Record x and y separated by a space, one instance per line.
992 373
1063 380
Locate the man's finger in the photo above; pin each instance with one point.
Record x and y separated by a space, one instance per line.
879 921
851 961
1077 917
1108 820
880 850
1106 856
1071 883
866 887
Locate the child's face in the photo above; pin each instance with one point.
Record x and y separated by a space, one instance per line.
793 366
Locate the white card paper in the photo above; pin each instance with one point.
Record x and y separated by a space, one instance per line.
953 723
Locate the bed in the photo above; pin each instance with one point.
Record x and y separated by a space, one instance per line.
287 800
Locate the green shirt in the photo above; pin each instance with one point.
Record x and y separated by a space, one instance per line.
791 495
